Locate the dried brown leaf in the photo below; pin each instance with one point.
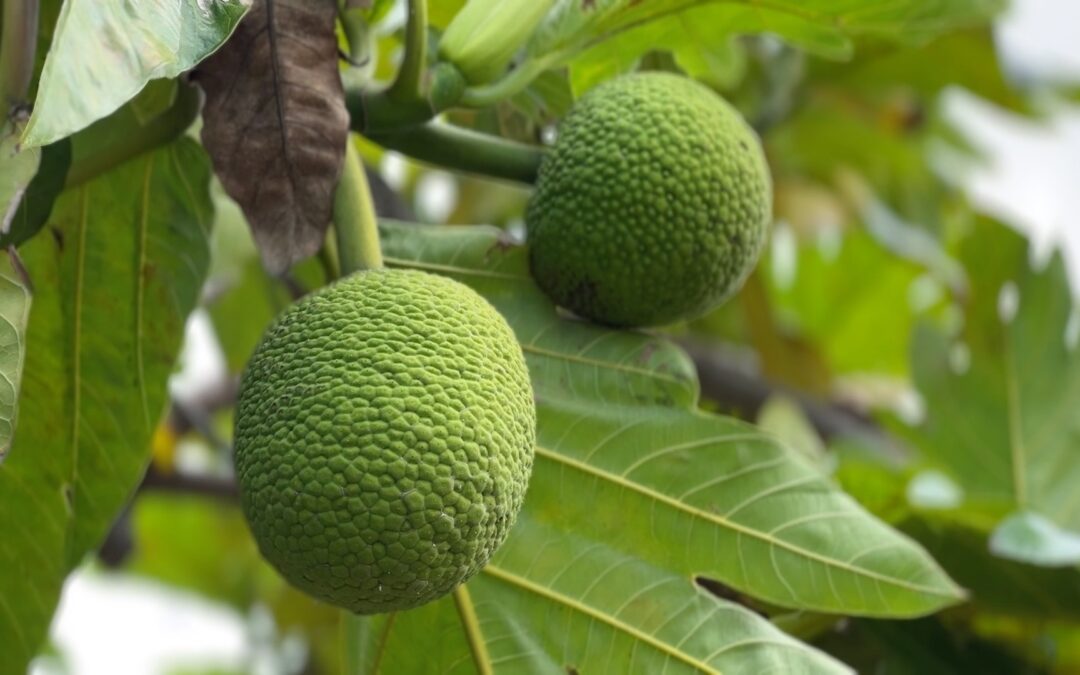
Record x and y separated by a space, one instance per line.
275 123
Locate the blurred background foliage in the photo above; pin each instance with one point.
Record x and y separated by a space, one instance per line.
879 299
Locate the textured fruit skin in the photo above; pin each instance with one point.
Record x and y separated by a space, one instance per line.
652 207
384 439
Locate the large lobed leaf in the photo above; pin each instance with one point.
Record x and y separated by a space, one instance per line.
103 53
1002 399
614 33
635 495
115 274
553 602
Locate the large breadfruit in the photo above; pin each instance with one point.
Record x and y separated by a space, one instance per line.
652 207
384 439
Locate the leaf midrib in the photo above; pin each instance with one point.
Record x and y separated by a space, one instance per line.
742 529
521 582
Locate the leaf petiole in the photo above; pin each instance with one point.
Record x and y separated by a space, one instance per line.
516 81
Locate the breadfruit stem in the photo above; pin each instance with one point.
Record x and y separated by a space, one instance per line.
407 85
356 229
467 614
403 103
457 148
17 50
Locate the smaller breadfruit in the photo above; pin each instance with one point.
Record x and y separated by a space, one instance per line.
384 439
652 207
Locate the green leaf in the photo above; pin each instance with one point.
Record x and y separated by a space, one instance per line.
1002 397
996 584
784 418
1031 538
113 283
17 168
620 442
14 312
824 26
929 646
701 38
103 53
40 195
553 602
838 291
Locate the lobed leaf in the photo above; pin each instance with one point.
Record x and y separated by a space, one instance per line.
554 602
1001 399
629 477
825 27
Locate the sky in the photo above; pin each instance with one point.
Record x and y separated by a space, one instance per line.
1032 177
122 625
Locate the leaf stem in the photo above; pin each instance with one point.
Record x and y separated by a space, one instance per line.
514 82
356 229
407 86
465 150
18 47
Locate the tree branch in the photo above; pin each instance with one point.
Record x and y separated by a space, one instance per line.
735 386
178 482
18 47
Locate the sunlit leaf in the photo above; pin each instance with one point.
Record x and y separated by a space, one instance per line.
1031 538
825 26
619 440
553 602
103 53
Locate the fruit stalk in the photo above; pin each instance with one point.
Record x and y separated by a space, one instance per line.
356 228
514 82
464 150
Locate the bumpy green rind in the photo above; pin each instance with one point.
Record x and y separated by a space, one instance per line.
652 207
384 439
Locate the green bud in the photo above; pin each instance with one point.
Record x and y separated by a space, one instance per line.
447 86
485 35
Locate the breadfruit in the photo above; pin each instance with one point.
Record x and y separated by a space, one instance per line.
384 439
653 205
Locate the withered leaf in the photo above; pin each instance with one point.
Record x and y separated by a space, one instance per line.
275 123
